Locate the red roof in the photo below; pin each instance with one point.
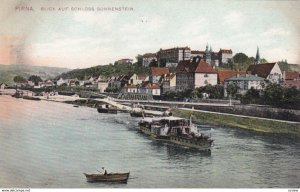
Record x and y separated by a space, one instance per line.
194 67
262 70
157 71
292 83
153 86
226 74
204 67
291 75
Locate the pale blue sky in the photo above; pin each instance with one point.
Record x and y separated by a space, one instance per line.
78 39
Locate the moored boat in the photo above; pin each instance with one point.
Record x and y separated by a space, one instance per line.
176 130
107 109
109 177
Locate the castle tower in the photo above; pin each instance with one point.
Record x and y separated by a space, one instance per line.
257 58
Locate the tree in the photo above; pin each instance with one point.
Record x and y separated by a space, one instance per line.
153 63
18 78
232 89
273 94
240 58
36 79
251 96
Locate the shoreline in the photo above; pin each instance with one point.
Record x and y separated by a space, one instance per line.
258 125
263 126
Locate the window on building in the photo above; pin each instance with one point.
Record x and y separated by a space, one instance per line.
205 75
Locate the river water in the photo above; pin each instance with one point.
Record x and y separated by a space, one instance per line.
50 145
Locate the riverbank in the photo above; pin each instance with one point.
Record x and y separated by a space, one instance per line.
250 123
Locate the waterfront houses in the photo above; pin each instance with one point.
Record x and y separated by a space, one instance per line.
269 71
244 83
136 79
156 74
193 74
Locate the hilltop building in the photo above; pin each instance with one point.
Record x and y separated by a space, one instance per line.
148 58
171 57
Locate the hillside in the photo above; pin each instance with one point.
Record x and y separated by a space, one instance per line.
106 70
8 72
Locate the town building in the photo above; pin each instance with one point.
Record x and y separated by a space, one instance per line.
196 53
171 57
196 73
3 86
156 73
148 58
136 79
226 74
124 61
224 55
244 83
291 79
168 82
270 71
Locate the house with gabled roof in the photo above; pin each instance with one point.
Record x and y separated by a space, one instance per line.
3 86
136 79
196 73
156 73
291 79
271 72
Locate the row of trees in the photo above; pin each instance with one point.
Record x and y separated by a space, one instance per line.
34 78
274 95
115 69
241 61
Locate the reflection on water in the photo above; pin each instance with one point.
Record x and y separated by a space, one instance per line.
48 144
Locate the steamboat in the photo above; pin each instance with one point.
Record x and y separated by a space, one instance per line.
176 130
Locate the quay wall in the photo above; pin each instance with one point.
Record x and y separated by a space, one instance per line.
238 109
263 126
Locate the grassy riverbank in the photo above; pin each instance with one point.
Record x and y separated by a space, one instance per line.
254 124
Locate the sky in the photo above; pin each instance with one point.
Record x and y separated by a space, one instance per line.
80 33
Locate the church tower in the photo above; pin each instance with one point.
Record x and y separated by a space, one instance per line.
208 55
257 58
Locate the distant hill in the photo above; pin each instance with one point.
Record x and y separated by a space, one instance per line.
8 72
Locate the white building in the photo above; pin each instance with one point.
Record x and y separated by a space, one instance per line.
244 83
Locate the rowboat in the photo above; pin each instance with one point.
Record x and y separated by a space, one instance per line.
109 177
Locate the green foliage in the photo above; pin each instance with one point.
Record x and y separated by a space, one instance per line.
153 63
18 78
232 89
240 58
105 70
252 96
36 79
274 95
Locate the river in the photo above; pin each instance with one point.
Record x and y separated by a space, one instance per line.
50 145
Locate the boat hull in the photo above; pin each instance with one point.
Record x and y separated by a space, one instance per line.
111 177
201 144
102 110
